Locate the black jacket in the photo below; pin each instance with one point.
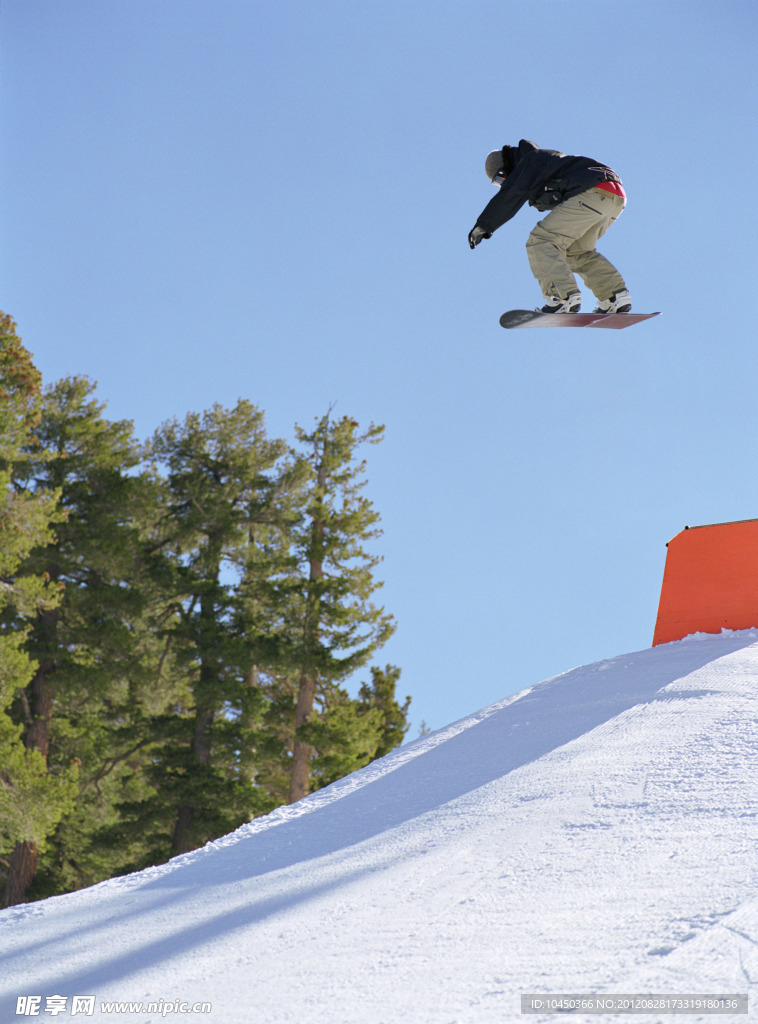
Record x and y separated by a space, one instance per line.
543 178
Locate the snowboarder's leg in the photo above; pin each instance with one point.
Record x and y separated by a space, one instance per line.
565 240
547 259
597 272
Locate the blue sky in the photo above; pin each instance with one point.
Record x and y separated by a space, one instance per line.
212 199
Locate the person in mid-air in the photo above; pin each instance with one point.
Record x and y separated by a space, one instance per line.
584 198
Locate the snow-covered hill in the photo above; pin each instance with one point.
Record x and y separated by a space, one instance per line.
597 832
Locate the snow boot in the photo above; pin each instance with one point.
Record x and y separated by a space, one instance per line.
621 302
555 304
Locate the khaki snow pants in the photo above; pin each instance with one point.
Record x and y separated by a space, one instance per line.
565 242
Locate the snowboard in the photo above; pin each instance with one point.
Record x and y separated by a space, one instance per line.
536 318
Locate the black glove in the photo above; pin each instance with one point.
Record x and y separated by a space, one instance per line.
476 234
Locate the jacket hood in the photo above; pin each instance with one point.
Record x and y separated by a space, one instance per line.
524 148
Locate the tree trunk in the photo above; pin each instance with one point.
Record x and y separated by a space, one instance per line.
183 839
23 860
302 752
41 708
23 863
186 836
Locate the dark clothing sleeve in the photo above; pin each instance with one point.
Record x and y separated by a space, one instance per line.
511 196
538 172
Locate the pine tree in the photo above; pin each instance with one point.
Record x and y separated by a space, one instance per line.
380 694
192 624
224 485
87 664
349 733
32 798
339 626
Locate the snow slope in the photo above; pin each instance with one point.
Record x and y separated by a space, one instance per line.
594 833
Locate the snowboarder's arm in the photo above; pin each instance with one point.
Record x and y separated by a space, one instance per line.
507 203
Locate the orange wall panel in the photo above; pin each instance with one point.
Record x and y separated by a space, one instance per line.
710 581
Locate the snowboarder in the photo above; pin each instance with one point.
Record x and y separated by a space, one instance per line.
584 198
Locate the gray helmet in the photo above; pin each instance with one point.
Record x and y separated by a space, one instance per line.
493 163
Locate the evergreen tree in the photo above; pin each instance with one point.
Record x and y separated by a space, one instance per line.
339 627
191 625
225 483
349 733
32 798
380 694
87 670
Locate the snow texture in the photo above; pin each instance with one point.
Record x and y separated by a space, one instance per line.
594 833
